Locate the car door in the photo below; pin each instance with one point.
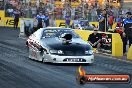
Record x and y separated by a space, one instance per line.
32 49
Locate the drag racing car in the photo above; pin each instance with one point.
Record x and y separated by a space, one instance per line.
59 45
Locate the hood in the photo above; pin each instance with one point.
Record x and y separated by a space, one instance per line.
57 44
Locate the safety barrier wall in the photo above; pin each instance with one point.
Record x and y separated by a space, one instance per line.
116 48
2 15
129 54
8 21
61 23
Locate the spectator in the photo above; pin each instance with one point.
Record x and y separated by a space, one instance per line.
110 20
59 10
27 27
40 20
115 12
75 23
124 39
46 19
58 13
8 8
95 39
27 11
52 22
128 28
1 5
10 12
96 4
93 14
98 10
77 11
34 10
22 10
110 11
16 18
35 23
64 13
43 8
72 13
102 20
40 9
119 20
89 14
67 20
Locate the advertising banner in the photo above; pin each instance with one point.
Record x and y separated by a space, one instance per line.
83 77
9 22
61 23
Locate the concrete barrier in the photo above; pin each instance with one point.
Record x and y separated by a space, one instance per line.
117 45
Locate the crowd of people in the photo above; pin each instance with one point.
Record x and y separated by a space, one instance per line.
90 12
28 10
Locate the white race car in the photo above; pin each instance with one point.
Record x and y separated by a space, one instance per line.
59 45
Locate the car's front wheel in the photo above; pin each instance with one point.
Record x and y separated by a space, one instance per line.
44 59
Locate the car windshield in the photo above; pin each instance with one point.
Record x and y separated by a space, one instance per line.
58 32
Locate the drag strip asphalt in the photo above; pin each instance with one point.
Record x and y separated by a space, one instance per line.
18 71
